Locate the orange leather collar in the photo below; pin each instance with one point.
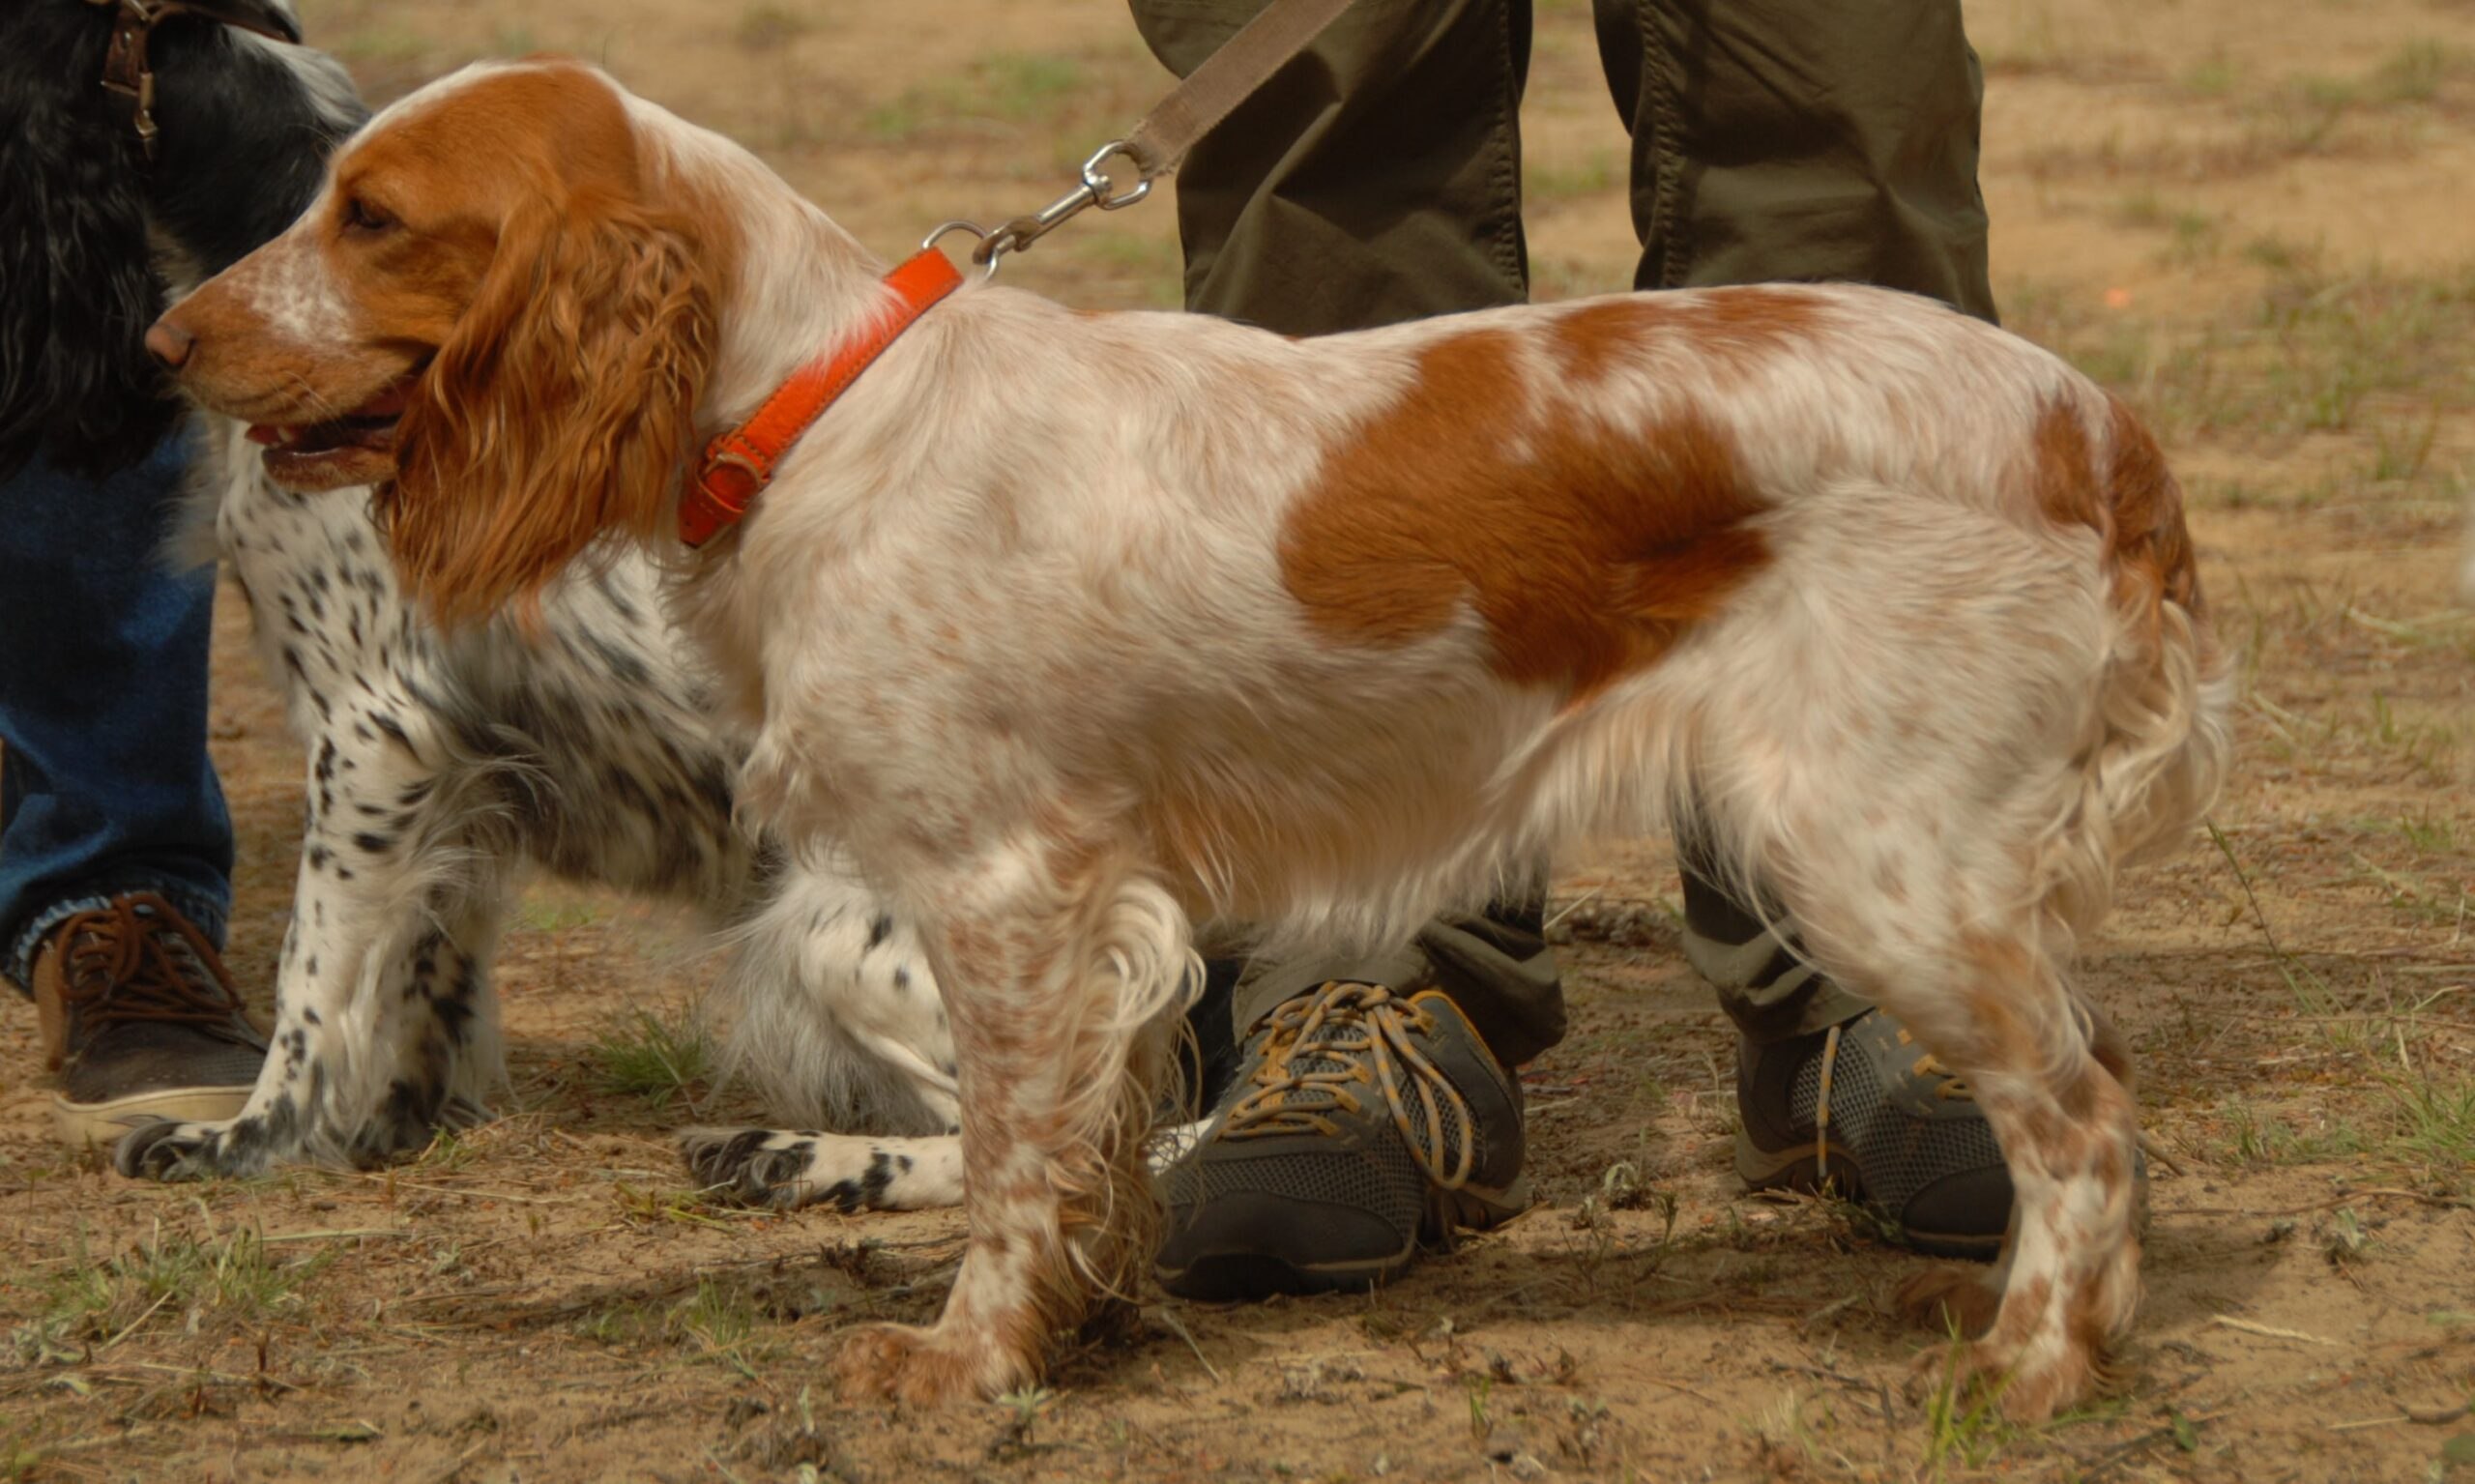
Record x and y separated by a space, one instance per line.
738 464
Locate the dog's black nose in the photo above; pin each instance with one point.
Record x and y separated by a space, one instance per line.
169 343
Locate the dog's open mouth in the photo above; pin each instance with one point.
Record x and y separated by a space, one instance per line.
357 448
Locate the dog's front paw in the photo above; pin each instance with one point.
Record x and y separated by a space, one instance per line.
757 1166
919 1367
167 1150
2028 1383
406 1125
1950 1299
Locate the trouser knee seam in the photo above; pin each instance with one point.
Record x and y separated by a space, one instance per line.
1667 233
1506 248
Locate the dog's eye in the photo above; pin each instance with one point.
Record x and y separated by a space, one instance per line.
362 216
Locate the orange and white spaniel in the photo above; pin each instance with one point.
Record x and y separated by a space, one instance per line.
1075 628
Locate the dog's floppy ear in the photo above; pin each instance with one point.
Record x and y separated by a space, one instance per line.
245 128
560 408
267 17
81 289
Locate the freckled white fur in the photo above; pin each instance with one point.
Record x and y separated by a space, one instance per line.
1022 585
1011 626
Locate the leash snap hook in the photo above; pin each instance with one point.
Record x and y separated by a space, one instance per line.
1097 188
1104 189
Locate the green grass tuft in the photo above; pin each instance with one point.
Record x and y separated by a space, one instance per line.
168 1279
653 1055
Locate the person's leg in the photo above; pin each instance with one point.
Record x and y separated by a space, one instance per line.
1375 179
114 835
1785 139
1788 139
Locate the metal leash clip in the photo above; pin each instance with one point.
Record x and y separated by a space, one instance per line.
1097 190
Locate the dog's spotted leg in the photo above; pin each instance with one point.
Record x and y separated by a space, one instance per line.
437 993
1992 1006
1061 971
2067 1129
787 1168
834 1015
362 913
1965 1300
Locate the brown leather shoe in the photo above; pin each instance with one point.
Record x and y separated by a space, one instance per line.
141 1021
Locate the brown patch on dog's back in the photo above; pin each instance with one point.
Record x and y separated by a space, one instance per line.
1592 337
2065 471
1587 548
1728 326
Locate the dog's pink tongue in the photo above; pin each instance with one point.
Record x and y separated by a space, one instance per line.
261 433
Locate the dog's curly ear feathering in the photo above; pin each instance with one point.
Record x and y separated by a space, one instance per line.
568 385
83 277
76 381
1067 626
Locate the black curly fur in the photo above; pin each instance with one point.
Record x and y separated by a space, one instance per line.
242 146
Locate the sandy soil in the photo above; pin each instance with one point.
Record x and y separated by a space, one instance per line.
2251 218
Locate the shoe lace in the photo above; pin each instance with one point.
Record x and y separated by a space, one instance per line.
1951 1085
138 959
1319 1047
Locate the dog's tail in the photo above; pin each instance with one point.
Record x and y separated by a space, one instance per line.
833 1011
2159 735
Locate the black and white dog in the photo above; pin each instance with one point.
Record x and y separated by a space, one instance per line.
438 768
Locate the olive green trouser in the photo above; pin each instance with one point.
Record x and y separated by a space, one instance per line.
1377 177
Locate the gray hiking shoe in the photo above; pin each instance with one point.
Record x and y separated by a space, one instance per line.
1864 1108
1365 1124
140 1020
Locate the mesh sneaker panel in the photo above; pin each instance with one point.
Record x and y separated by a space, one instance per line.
1381 1179
1316 1096
1896 1154
1457 1133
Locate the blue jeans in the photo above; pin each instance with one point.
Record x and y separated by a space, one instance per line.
105 786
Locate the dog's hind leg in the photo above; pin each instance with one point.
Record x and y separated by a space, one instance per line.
1953 956
1928 903
1061 970
833 1009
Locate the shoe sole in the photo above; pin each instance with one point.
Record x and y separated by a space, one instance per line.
1798 1169
99 1125
1225 1277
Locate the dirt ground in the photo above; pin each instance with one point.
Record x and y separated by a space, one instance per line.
2250 218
